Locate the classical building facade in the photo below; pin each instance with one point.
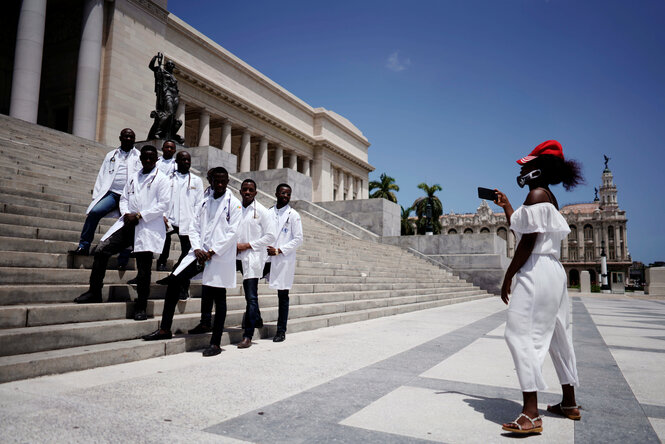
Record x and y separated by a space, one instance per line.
81 66
595 227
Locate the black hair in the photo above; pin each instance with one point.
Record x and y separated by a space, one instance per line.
181 153
146 148
556 170
218 170
248 181
286 185
170 141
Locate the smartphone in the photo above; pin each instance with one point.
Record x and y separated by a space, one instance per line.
487 194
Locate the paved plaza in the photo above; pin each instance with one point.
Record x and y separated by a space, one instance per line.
442 375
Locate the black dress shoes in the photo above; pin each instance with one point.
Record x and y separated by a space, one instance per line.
131 282
280 336
245 343
89 298
140 315
200 329
212 350
161 267
164 281
80 251
157 335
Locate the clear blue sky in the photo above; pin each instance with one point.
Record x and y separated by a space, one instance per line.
453 92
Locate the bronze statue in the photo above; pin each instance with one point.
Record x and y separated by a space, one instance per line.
165 125
595 190
607 159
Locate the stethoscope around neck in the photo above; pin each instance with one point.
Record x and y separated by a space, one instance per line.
115 153
131 184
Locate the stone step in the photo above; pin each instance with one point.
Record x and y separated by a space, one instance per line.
31 315
24 340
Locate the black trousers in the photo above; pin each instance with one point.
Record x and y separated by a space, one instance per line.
209 296
185 245
118 241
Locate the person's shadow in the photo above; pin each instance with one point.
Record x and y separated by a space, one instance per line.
493 409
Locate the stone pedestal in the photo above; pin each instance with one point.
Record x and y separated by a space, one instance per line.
267 181
206 157
379 216
655 277
585 282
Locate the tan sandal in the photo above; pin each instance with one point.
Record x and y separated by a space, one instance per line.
560 410
520 430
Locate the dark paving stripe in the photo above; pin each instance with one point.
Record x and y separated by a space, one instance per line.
637 349
314 415
654 411
611 411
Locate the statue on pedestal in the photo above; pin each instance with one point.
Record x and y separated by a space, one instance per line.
165 125
607 159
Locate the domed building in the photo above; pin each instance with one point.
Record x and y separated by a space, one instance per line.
595 228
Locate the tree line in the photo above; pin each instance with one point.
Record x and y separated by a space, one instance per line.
385 187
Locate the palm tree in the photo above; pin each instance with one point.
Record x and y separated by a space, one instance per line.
384 187
406 225
420 205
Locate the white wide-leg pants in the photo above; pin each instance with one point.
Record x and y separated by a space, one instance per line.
538 319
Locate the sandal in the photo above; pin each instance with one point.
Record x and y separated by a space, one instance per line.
560 410
520 430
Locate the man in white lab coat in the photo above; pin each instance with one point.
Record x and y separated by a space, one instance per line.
186 196
144 200
167 162
288 233
256 232
214 238
119 165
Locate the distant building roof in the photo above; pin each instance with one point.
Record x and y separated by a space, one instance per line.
588 207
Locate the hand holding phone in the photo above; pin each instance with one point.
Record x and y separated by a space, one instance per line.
487 194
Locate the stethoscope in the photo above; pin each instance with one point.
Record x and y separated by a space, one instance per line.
113 160
228 208
131 184
189 179
287 217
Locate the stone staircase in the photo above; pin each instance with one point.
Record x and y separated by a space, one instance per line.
45 187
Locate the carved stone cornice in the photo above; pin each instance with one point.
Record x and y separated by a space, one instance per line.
215 90
152 8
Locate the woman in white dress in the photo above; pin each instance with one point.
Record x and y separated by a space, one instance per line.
535 283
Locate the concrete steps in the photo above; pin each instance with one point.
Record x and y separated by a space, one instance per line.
43 198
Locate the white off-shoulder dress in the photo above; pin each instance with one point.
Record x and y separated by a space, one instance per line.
539 311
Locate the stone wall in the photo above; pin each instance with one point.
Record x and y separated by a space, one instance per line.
479 258
301 185
379 216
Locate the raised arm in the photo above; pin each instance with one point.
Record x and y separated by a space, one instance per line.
503 202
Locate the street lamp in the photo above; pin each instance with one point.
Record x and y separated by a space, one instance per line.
605 288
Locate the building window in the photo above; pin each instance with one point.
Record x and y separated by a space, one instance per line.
468 231
484 230
503 233
452 231
588 233
588 253
610 233
572 252
572 236
574 278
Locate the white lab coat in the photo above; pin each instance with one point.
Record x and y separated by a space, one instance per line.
289 237
191 198
166 166
257 227
107 174
151 200
219 233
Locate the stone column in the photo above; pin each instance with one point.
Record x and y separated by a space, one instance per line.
226 137
279 157
340 187
351 183
263 154
180 115
245 151
617 243
607 242
580 242
293 161
24 100
306 167
87 72
204 128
